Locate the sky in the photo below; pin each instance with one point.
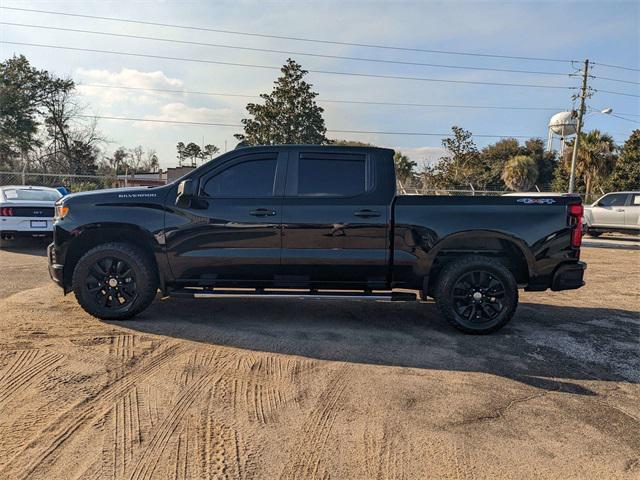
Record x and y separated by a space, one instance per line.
605 32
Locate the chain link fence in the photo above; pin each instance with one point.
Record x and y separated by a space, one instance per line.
74 183
470 189
79 183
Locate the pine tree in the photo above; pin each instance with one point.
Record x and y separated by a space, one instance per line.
289 113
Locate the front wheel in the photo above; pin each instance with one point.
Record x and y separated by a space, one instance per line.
477 295
114 281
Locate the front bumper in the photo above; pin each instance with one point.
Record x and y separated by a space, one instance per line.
56 271
568 276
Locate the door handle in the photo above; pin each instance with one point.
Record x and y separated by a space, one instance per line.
619 209
366 213
262 212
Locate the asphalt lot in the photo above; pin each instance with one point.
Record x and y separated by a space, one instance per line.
615 241
274 388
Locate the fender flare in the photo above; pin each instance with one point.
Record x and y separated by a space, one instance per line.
521 245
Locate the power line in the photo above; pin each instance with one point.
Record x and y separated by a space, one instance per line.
617 93
237 125
288 52
620 67
356 102
623 118
617 80
282 37
270 67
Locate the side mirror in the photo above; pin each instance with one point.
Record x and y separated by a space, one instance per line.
186 193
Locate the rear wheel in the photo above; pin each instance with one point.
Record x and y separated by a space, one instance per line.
477 295
114 281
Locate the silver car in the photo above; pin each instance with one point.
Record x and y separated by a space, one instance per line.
613 212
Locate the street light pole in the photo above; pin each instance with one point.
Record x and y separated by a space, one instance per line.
574 154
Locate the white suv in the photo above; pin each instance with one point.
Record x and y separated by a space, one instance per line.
614 212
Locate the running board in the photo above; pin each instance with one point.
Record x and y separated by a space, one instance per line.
259 293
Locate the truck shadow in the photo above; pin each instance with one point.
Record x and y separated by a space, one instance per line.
28 246
545 346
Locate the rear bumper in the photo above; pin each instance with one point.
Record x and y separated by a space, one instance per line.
56 271
568 276
26 224
14 234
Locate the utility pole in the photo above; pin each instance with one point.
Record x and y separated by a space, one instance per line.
583 97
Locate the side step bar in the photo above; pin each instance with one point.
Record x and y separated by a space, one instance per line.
259 293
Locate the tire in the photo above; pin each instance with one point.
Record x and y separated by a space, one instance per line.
594 234
115 281
477 295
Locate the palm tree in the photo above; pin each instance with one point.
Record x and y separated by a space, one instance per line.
595 160
520 173
404 168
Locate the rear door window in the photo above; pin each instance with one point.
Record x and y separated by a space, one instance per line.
332 177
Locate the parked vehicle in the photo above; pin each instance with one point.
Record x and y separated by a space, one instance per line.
26 211
312 220
613 212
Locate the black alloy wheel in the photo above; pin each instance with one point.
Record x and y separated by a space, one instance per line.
113 283
476 294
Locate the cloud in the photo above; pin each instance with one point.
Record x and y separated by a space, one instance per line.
180 112
423 155
130 77
126 77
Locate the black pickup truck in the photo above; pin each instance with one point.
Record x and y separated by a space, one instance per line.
300 220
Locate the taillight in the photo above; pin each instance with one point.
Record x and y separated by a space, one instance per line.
6 212
575 220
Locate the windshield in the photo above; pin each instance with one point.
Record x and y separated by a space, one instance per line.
31 194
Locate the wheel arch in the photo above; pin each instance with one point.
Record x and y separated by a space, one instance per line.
93 235
512 251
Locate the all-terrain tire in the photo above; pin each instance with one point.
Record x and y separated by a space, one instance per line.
134 288
457 288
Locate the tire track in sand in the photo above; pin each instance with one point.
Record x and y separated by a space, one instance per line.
222 450
150 457
266 385
305 462
45 444
126 432
26 368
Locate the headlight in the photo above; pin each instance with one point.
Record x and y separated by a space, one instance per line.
61 212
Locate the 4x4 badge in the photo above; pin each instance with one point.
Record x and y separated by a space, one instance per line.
537 201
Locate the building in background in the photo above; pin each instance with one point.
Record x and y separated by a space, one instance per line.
154 179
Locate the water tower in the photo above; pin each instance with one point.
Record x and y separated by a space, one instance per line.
563 125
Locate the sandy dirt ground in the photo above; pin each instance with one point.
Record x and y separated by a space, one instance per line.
308 389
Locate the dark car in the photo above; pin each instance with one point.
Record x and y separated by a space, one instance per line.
313 220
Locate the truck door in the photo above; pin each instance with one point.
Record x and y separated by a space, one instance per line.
230 235
632 211
609 210
335 219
